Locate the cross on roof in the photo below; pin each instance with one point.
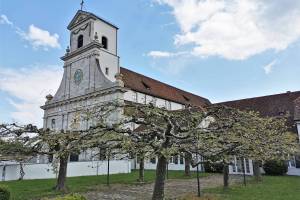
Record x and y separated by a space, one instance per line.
81 4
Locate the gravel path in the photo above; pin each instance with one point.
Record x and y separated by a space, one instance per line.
174 189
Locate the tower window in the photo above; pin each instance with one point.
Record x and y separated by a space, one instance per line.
106 71
80 41
104 42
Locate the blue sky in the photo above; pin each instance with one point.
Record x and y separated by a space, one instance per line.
219 49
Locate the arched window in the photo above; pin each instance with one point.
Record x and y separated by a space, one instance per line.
53 124
80 41
104 42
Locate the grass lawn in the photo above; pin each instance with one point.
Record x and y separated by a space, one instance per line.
35 189
272 188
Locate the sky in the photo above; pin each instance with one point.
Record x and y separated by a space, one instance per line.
219 49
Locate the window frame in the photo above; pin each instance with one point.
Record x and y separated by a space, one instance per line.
80 41
105 44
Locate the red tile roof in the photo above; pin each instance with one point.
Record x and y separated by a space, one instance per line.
272 105
146 85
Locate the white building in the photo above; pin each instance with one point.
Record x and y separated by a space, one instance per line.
272 105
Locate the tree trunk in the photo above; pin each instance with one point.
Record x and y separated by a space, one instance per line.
225 176
187 164
142 170
256 171
62 174
22 173
159 187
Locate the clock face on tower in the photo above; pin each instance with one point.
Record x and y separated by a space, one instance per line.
78 76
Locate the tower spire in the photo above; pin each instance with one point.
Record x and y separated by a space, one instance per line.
81 4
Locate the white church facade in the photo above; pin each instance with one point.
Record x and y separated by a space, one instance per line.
92 76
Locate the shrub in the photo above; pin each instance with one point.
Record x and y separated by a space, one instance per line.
213 167
275 167
4 193
71 197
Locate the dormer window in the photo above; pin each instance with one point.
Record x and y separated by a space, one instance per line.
80 41
185 98
104 42
146 85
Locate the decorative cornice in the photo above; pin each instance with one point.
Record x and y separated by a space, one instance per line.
75 32
93 44
98 92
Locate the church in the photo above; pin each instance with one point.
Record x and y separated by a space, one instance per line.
93 75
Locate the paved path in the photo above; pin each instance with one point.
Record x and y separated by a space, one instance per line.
174 189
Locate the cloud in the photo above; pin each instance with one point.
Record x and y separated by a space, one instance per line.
4 20
37 37
41 38
27 88
164 54
269 67
235 29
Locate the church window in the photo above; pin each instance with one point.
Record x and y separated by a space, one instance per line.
134 97
104 42
106 71
153 160
80 41
176 159
181 159
53 124
247 165
74 157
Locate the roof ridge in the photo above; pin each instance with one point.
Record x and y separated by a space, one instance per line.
271 95
94 15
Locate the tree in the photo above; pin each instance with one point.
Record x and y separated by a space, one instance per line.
187 163
14 145
29 141
229 132
162 132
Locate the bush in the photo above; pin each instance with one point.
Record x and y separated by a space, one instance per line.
213 167
275 167
71 197
4 193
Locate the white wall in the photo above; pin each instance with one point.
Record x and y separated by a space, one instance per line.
109 32
44 171
293 171
145 99
171 166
